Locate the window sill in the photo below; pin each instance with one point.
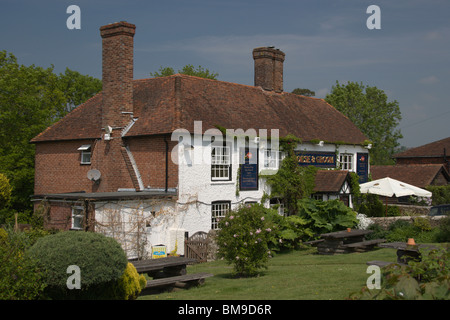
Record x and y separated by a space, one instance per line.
219 182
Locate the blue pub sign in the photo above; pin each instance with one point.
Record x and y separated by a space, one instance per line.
362 167
248 178
317 159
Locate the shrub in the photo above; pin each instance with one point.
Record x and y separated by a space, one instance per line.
443 230
371 206
243 239
426 279
20 276
441 194
326 216
363 221
378 232
287 232
130 284
101 261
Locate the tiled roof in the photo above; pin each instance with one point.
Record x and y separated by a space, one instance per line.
433 149
419 175
84 122
330 181
175 102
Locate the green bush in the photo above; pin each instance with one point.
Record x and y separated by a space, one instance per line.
243 239
378 232
130 284
426 279
441 194
371 206
326 216
420 229
443 230
101 261
20 276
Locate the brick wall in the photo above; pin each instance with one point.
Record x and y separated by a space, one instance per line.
58 168
150 156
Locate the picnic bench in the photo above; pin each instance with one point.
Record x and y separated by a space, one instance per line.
346 241
169 271
405 253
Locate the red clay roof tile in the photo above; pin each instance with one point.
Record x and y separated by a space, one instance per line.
165 104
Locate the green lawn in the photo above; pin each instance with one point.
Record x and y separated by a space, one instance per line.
297 275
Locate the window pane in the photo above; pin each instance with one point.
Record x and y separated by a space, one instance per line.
218 210
220 163
85 157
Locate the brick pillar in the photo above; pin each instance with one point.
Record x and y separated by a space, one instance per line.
117 73
117 107
269 68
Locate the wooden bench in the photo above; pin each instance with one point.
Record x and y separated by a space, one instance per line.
364 244
181 281
313 242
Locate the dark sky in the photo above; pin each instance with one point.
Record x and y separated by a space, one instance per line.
324 40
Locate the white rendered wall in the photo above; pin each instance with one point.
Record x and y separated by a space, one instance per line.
196 192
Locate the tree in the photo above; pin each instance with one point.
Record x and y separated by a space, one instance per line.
304 92
5 191
188 70
31 99
368 108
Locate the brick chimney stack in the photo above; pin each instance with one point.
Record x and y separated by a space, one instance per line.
117 73
269 68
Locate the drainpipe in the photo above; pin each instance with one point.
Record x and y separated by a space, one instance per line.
167 162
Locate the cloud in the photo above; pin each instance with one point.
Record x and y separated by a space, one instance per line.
321 93
429 80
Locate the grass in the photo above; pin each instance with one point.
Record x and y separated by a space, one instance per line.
296 275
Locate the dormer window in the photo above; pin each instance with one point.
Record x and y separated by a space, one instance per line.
85 153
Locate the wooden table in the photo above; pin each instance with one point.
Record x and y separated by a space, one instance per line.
405 252
169 272
163 267
346 242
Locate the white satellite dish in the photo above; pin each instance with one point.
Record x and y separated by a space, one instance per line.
94 175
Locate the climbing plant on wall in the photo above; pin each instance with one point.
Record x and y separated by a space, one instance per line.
291 182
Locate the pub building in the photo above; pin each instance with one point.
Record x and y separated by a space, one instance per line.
114 165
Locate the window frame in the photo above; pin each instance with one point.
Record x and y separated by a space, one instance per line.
85 154
74 215
348 164
221 165
215 218
268 158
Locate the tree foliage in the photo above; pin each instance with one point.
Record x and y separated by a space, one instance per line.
31 99
368 108
304 92
189 70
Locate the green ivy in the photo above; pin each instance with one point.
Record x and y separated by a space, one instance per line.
291 182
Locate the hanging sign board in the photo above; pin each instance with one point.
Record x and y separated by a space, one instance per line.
248 178
362 167
317 159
